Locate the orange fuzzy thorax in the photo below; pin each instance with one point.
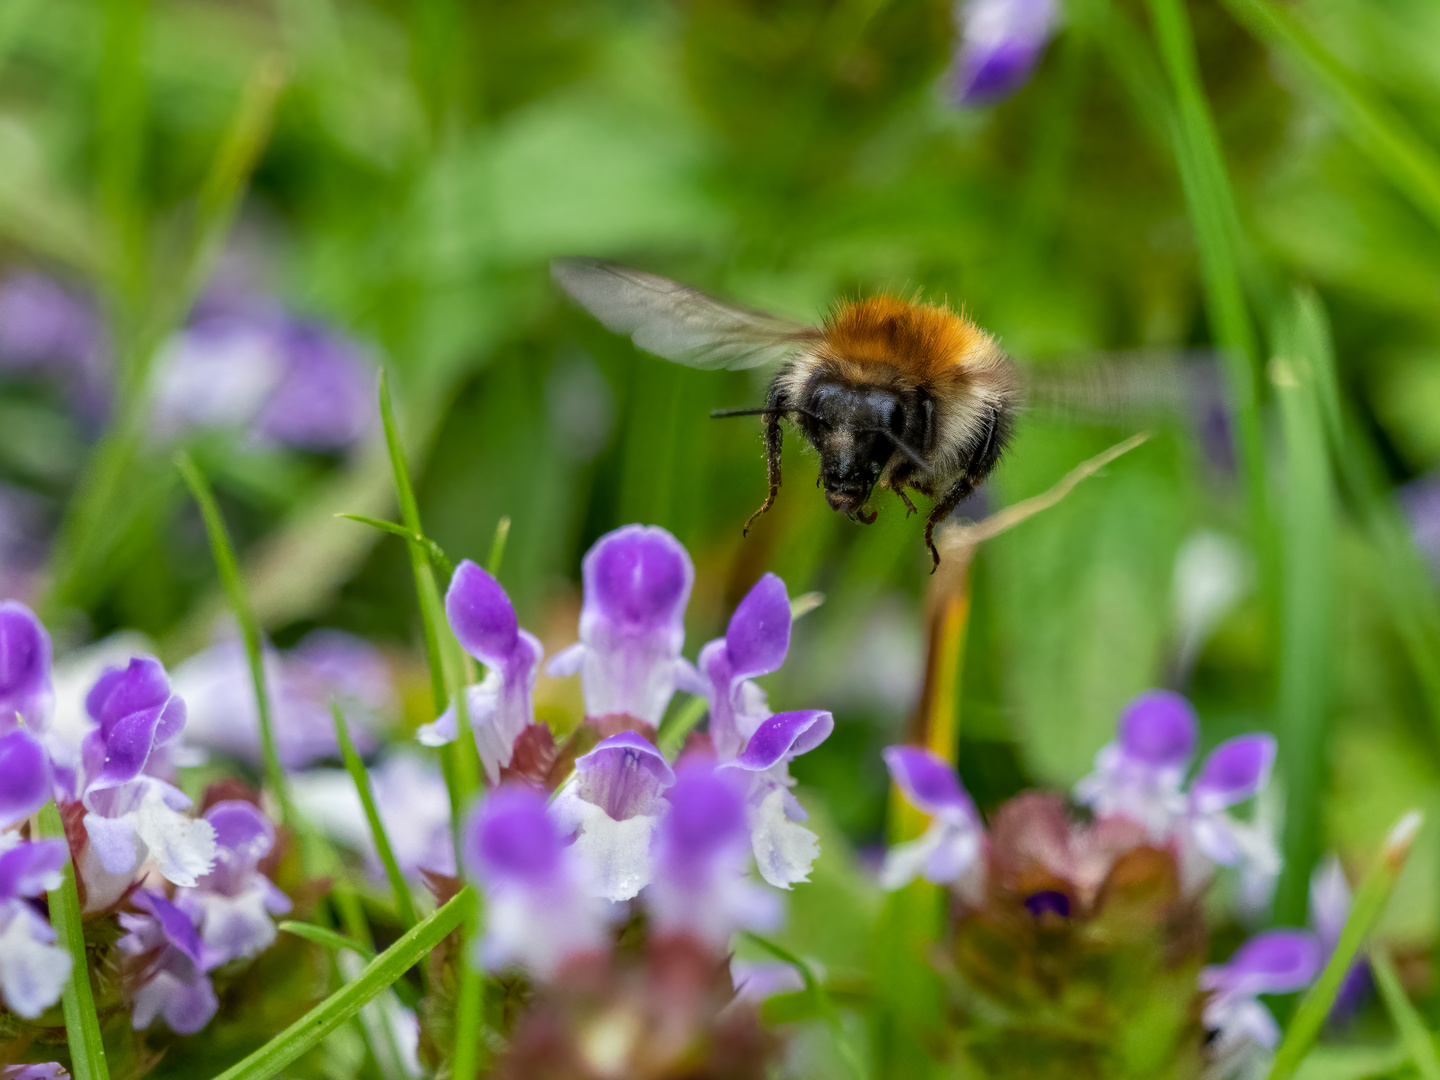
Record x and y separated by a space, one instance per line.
926 343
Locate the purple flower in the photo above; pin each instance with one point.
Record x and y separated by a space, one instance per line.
174 964
1420 501
754 981
33 969
540 909
632 624
25 691
1329 910
26 781
1139 775
949 851
1275 962
501 705
1001 43
326 665
1235 771
131 813
51 1070
703 850
755 643
784 848
233 905
43 326
325 396
612 808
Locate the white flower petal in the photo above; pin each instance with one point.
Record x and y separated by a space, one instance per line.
784 850
33 971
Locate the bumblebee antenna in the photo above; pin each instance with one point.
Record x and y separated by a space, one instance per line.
720 414
902 446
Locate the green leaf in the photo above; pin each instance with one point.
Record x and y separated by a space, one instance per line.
234 588
82 1024
432 549
326 938
824 1007
1370 901
342 1005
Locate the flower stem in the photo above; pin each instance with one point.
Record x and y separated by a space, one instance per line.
229 573
82 1025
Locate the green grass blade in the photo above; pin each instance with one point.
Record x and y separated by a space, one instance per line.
1211 203
1370 900
1307 601
234 588
1414 1035
824 1006
1394 148
346 1002
404 902
326 938
497 546
82 1025
675 728
437 555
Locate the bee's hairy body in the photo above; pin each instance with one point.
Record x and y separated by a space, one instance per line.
894 393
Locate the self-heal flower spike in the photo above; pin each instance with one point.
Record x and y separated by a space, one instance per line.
784 848
25 690
540 909
33 969
632 624
612 809
174 982
755 643
949 851
233 906
1001 43
703 849
1139 775
501 705
1275 962
26 781
132 814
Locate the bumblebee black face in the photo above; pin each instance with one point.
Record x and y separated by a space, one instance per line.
856 430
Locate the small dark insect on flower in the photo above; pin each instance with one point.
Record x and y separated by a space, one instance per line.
890 392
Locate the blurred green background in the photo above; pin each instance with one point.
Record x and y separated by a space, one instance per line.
423 163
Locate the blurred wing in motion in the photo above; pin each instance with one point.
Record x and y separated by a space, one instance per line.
677 322
1126 388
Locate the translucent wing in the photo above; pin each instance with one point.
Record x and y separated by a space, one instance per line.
677 322
1139 387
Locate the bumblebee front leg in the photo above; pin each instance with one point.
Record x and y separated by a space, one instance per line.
944 506
909 506
774 441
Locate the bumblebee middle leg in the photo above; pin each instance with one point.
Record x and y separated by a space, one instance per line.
774 442
909 506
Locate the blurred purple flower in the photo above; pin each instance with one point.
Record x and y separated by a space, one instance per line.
540 909
24 541
1139 775
703 850
324 399
755 643
174 964
48 331
949 851
1329 910
501 705
1420 501
25 690
325 665
1236 770
756 980
26 780
612 809
1001 42
1274 962
632 624
33 970
132 813
233 906
51 1070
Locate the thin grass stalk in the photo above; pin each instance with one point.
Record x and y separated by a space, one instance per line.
1419 1043
1401 154
229 572
404 902
342 1005
824 1004
1371 899
82 1023
436 553
1307 582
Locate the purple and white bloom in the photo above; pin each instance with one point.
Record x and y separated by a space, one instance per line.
1139 775
50 1070
234 905
1329 910
414 807
502 704
174 982
33 969
1001 42
784 848
702 852
541 910
26 780
131 813
632 624
948 853
1235 771
326 665
25 691
1274 962
755 643
612 808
